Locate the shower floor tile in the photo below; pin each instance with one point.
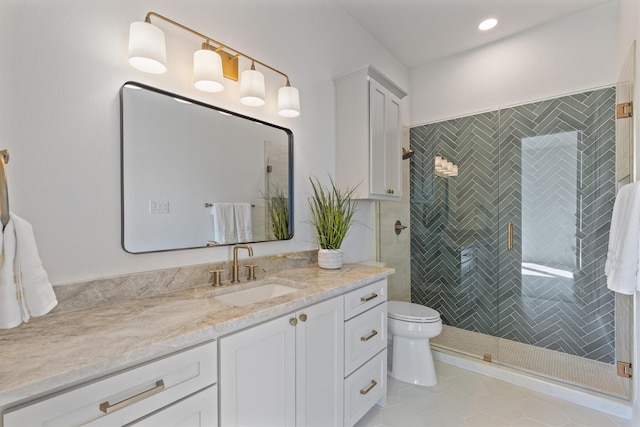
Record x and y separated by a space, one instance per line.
555 365
495 404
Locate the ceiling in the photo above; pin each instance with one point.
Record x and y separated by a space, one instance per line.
419 31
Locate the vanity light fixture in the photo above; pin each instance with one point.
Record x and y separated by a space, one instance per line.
147 50
252 87
207 70
147 53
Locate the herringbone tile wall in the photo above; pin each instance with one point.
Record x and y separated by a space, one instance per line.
549 164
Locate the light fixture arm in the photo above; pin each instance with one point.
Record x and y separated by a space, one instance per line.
220 47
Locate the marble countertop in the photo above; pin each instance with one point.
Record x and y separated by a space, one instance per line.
57 351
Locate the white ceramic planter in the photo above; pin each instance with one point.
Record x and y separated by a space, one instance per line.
330 259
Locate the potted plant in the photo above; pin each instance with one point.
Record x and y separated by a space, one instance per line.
277 205
332 212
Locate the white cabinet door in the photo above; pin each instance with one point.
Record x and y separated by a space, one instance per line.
285 372
319 363
385 144
393 147
368 134
199 410
257 375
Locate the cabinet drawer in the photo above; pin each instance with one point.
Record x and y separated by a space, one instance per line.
125 396
360 300
364 336
364 388
199 410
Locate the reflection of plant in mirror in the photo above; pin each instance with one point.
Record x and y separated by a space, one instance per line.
332 213
277 206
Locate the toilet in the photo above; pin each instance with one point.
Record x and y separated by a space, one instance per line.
410 328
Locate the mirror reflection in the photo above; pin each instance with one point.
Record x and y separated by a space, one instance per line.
194 175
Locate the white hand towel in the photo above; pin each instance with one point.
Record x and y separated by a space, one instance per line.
243 221
224 224
623 255
31 278
10 307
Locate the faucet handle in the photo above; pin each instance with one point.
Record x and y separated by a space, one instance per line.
251 271
216 277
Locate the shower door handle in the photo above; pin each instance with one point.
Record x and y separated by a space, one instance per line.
509 236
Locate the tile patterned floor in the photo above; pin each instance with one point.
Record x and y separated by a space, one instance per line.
463 398
564 367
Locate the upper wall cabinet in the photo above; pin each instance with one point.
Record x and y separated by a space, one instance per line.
368 134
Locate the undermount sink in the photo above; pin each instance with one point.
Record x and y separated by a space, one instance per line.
255 294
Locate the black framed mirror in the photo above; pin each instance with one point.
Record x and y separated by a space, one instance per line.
195 175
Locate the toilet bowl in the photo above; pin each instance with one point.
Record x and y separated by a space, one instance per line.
410 328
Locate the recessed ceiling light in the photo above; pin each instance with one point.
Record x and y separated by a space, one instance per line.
488 24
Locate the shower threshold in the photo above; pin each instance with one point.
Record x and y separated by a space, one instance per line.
577 371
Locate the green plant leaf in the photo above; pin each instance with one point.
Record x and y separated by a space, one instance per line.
332 211
277 205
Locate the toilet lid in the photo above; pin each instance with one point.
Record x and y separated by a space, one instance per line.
401 310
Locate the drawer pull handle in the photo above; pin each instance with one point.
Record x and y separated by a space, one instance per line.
368 389
369 298
107 408
371 335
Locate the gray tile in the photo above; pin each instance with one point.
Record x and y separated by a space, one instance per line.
488 293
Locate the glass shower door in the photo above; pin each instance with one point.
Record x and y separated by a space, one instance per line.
557 167
511 252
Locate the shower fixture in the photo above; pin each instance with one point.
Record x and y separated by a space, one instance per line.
406 153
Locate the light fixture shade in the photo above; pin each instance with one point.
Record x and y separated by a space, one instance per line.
207 71
147 50
252 88
288 102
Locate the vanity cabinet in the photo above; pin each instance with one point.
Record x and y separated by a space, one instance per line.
285 372
365 357
368 134
175 390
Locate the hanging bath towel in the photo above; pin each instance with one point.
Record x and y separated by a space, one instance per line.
242 212
224 224
623 256
25 289
31 277
10 309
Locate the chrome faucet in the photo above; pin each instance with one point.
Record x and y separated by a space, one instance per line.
234 273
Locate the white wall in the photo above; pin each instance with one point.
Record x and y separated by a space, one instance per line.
63 64
566 56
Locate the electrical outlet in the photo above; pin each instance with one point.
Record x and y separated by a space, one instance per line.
158 207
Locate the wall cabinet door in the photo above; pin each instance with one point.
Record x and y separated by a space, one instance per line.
385 146
285 372
368 134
